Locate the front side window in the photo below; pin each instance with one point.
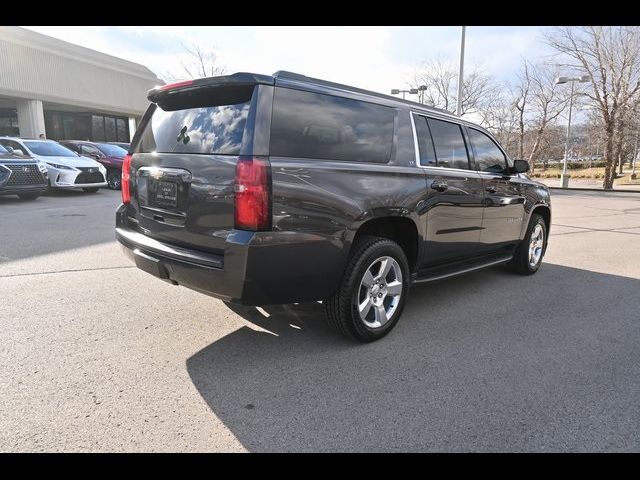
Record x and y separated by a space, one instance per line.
313 125
16 146
88 149
451 151
489 157
72 146
112 150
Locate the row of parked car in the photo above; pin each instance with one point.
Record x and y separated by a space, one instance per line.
29 167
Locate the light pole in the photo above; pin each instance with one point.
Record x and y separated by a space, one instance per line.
422 89
635 158
412 91
564 178
461 74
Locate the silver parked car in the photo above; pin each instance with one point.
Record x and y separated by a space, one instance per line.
66 169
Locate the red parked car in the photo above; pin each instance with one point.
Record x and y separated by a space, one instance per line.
108 154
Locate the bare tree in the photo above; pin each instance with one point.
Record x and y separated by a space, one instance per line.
521 104
546 105
198 63
479 90
610 56
502 120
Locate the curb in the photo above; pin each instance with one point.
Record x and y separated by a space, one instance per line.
589 189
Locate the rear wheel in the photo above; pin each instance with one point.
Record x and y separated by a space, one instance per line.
113 179
528 256
373 291
28 196
91 190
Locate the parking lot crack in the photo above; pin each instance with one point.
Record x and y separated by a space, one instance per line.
66 271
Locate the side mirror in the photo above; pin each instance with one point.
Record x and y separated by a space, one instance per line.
521 166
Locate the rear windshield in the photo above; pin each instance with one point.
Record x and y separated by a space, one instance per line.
313 125
208 121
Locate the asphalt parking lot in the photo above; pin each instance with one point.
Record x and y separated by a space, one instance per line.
99 356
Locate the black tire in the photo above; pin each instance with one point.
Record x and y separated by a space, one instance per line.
113 179
521 262
342 310
28 196
91 189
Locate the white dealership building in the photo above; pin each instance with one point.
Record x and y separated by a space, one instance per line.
62 90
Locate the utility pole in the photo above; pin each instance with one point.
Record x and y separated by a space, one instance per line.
564 178
635 157
461 74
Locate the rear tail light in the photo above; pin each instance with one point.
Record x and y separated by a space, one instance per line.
253 192
126 175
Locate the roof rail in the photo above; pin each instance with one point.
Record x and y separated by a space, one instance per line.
284 74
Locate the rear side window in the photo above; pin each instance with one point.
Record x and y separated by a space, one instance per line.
425 144
208 121
449 143
312 125
489 157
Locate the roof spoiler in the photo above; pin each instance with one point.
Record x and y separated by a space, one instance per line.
241 78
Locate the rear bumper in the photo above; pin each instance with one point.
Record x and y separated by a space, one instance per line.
256 268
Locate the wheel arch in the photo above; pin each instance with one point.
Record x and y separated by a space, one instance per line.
400 229
543 210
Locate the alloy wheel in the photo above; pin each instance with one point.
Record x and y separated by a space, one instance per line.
380 292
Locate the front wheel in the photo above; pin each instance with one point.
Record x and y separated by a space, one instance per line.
114 179
528 256
90 190
373 291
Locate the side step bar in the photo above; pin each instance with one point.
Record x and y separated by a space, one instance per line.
444 272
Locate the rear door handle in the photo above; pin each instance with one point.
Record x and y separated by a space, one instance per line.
491 189
439 185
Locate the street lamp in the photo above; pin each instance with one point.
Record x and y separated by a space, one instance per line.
461 74
564 178
412 91
635 158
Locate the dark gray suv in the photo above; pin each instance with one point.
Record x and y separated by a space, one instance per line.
277 189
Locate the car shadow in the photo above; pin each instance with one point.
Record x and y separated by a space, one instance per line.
489 361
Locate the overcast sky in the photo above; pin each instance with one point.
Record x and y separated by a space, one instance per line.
376 58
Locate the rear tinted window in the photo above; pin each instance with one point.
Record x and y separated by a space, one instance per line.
425 144
202 122
311 125
449 142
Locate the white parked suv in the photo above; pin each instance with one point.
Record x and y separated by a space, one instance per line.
65 168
